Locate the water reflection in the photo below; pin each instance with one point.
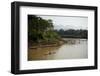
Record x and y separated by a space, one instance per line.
73 49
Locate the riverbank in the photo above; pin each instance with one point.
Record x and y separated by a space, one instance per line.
43 45
54 44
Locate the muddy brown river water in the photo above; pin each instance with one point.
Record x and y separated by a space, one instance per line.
74 49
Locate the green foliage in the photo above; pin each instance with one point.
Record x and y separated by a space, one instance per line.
72 33
40 30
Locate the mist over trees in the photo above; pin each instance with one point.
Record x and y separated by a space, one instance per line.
73 33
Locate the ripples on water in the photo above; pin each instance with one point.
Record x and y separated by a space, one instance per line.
73 49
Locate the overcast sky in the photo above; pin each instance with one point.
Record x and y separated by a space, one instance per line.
67 22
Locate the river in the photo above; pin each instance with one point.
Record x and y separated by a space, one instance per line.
73 49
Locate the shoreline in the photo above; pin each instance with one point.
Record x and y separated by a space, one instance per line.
46 45
53 44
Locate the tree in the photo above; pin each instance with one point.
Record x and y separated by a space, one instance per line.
40 29
72 33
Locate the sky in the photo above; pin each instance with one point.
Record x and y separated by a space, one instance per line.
67 22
